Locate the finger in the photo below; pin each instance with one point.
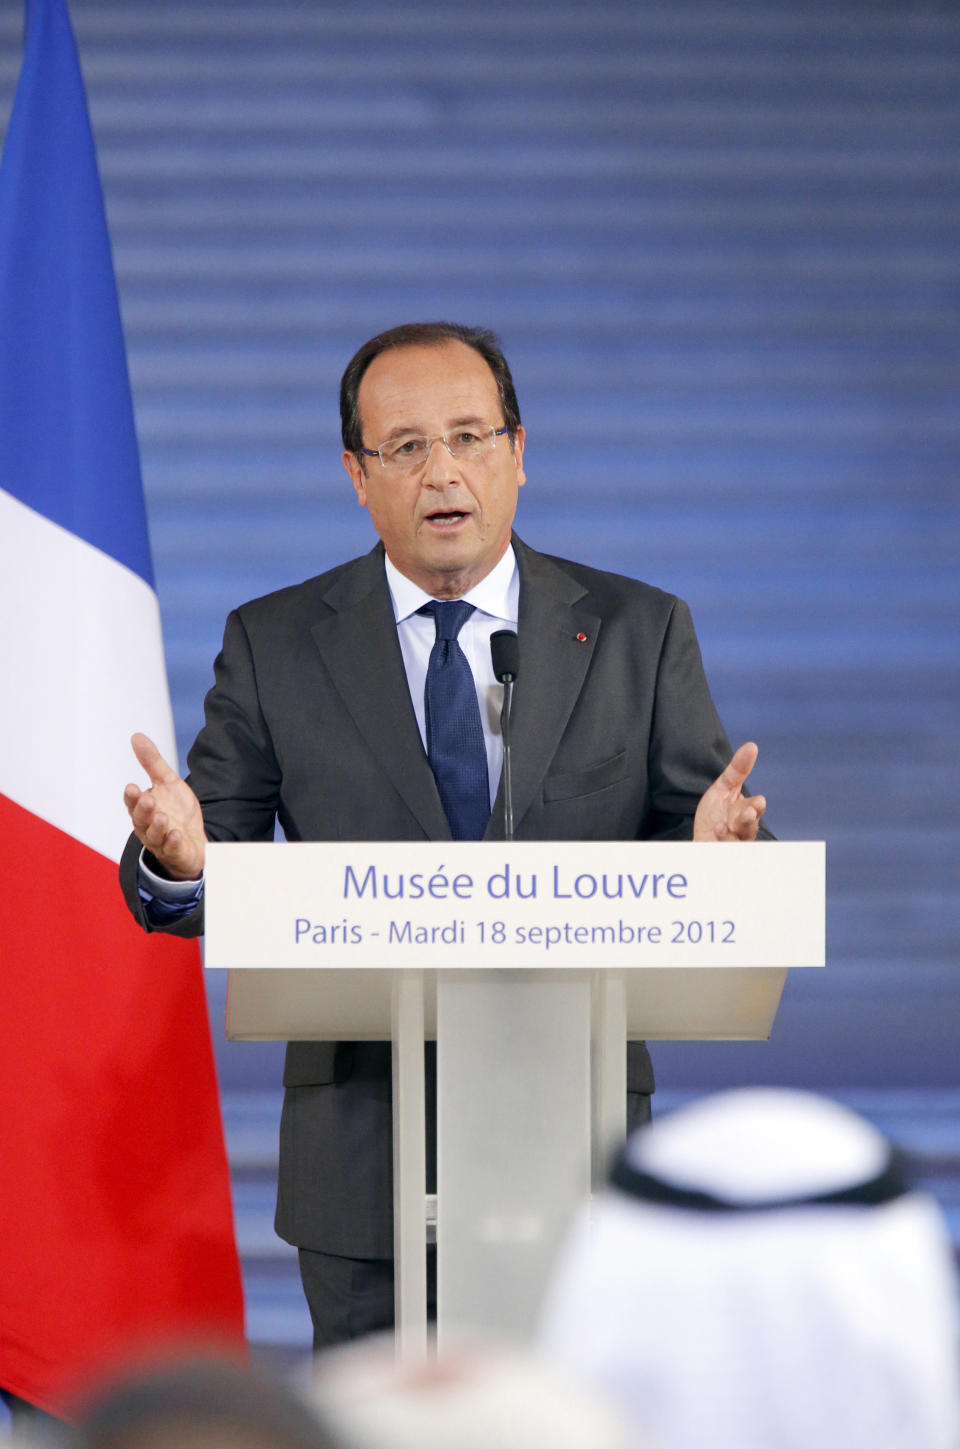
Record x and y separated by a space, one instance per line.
131 795
152 761
743 823
142 812
739 767
150 824
175 852
158 836
741 830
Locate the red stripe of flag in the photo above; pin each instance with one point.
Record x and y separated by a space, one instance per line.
115 1206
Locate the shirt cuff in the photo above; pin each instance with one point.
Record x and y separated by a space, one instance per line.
173 892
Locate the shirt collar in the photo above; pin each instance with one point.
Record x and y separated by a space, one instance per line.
497 595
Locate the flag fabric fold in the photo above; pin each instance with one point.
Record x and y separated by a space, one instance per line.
115 1209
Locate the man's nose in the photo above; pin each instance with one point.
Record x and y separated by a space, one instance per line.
439 466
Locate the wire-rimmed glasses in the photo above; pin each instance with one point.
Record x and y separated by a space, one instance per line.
411 450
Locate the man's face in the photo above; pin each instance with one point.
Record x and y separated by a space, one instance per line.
446 524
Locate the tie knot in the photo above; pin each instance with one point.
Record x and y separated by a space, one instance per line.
450 615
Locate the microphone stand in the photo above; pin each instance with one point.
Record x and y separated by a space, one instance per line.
507 760
505 654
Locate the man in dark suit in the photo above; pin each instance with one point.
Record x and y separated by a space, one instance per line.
321 717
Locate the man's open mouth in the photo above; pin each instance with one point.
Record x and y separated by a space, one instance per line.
445 518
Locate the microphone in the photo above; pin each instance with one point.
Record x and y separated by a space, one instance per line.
505 655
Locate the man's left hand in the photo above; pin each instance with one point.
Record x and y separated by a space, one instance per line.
724 812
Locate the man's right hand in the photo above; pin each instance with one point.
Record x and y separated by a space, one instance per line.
166 818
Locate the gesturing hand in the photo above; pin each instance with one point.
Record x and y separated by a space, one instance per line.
166 818
724 813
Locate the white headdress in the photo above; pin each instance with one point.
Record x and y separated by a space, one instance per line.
758 1277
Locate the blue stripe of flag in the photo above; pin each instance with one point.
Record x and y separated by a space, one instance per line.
68 447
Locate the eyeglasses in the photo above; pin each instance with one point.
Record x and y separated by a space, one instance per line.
411 450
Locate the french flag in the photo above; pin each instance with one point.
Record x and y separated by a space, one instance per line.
116 1227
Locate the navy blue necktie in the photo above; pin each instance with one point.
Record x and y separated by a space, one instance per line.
455 743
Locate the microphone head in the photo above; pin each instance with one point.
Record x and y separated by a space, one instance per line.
505 653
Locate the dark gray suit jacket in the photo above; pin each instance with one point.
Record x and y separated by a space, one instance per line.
615 737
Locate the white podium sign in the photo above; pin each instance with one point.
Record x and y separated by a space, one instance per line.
477 906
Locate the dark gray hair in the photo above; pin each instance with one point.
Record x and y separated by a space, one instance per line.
424 334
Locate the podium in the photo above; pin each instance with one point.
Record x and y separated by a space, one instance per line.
531 964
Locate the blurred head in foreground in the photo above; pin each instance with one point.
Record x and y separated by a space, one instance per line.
758 1274
205 1404
473 1397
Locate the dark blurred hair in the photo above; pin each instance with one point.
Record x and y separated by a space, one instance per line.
198 1404
424 334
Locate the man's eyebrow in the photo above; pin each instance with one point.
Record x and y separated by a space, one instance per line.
407 430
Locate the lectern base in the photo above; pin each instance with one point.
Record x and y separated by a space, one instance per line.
513 1140
518 1067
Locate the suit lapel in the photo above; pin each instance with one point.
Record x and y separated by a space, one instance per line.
358 643
553 665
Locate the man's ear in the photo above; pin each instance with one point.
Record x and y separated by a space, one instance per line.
519 439
358 476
